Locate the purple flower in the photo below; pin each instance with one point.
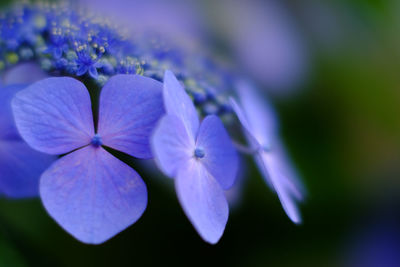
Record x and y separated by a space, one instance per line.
89 192
261 130
20 165
200 157
87 62
267 43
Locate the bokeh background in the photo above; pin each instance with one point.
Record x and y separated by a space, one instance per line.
332 71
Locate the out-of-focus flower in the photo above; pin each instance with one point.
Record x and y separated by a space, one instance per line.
20 165
260 128
265 39
174 19
91 194
200 157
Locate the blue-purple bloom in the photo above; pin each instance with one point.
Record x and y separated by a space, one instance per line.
201 158
20 165
87 62
89 192
261 130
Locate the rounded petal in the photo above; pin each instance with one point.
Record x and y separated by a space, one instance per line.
203 201
7 124
172 147
130 107
221 159
20 169
178 103
54 115
271 172
93 195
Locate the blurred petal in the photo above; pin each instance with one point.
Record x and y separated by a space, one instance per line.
245 124
261 118
221 159
20 169
275 176
24 73
130 107
177 20
267 43
54 115
293 181
172 147
93 195
272 163
7 124
178 103
203 201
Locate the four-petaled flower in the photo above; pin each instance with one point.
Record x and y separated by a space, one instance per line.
89 192
200 157
87 62
260 125
20 165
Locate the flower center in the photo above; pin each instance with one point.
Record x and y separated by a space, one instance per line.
199 152
96 141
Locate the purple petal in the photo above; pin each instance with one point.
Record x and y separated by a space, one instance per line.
82 69
272 163
93 72
7 125
292 179
221 159
270 171
93 195
245 124
20 169
24 73
54 115
172 147
130 107
178 103
261 118
203 201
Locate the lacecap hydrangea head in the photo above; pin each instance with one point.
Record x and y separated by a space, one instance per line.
142 95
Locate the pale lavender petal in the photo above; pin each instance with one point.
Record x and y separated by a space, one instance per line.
203 201
261 118
293 181
245 124
271 172
20 169
54 115
93 195
271 158
130 107
7 125
220 159
178 103
172 147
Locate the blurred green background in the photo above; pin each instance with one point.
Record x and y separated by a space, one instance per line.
341 125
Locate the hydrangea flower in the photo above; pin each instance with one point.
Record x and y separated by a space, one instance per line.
20 165
200 157
261 127
73 41
89 192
